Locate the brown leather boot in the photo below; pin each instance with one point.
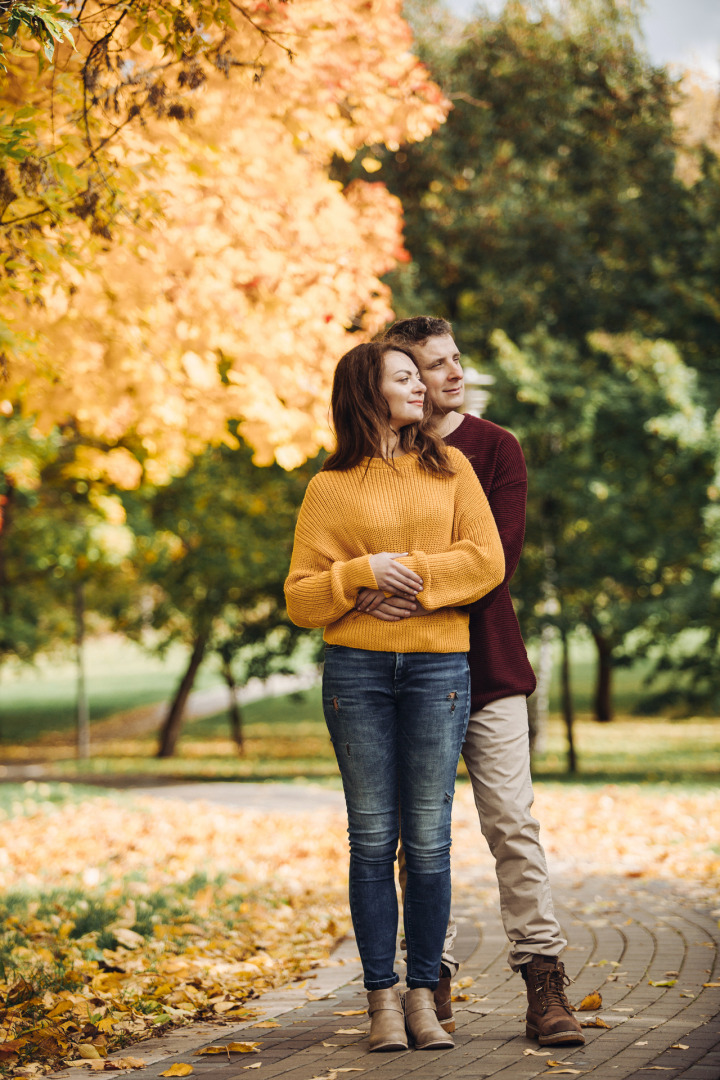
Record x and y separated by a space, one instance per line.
443 1004
549 1016
422 1022
387 1021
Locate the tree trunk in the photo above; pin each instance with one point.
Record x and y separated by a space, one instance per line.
539 703
234 711
5 522
567 703
82 711
603 686
172 723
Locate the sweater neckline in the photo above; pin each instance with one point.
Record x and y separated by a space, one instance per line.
402 462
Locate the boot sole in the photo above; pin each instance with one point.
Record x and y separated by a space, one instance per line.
557 1037
437 1044
388 1046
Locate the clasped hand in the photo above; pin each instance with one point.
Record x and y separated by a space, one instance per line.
392 577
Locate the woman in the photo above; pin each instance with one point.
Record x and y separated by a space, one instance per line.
394 509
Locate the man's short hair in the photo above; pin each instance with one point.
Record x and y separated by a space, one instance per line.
417 330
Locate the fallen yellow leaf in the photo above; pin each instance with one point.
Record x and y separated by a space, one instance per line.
555 1063
679 1046
350 1031
350 1012
594 1021
179 1069
590 1003
265 1024
535 1053
711 984
255 1065
662 982
62 1007
243 1047
87 1050
211 1050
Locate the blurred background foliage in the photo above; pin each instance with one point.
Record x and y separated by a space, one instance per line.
203 203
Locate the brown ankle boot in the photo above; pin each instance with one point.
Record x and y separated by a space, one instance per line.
422 1022
443 1004
549 1016
387 1021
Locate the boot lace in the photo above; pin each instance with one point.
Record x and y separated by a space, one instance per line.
551 990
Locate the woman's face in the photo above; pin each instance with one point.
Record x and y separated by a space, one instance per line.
402 389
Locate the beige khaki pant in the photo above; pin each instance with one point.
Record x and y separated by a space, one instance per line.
497 756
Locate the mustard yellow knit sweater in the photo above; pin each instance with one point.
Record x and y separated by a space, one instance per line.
444 522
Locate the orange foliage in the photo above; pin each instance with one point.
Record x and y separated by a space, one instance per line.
239 302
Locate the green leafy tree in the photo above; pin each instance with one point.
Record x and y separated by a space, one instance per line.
63 554
214 547
547 212
610 438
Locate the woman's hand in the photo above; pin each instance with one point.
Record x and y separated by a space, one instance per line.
392 576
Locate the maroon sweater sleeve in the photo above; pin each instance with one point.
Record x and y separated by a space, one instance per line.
499 665
507 497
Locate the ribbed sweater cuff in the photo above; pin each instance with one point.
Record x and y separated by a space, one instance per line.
418 561
353 575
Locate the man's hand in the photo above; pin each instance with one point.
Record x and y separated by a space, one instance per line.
389 608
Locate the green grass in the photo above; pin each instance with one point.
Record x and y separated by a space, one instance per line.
286 740
36 701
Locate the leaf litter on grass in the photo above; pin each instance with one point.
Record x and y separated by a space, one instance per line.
120 920
620 830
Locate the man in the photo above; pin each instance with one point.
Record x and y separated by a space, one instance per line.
496 749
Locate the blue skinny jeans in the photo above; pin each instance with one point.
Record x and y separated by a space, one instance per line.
397 723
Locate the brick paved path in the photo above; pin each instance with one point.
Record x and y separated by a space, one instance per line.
623 935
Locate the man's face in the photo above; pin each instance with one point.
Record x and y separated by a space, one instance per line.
438 362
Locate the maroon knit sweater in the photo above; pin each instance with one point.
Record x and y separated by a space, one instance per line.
499 665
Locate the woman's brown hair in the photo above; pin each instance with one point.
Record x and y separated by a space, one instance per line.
361 414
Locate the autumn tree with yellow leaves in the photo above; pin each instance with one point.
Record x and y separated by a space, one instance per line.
174 252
